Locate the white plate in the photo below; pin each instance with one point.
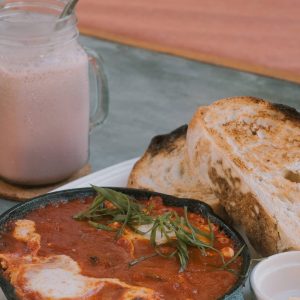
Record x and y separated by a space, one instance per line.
115 175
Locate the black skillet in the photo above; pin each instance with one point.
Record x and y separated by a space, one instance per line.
20 210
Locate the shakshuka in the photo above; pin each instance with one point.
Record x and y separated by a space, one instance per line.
115 247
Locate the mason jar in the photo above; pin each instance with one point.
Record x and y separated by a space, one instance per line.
46 82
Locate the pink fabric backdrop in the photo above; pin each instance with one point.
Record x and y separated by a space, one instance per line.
261 36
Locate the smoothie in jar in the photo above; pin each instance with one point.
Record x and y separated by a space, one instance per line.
44 100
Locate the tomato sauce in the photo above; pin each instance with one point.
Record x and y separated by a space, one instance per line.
100 255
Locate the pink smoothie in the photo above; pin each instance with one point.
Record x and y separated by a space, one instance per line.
44 115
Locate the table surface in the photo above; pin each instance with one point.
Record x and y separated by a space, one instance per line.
153 93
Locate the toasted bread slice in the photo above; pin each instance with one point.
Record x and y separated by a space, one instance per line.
164 168
249 150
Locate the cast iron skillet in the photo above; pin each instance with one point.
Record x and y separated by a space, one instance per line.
19 211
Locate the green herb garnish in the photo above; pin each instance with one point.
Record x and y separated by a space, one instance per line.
140 259
111 208
122 209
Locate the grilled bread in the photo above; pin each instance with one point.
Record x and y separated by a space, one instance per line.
248 151
164 168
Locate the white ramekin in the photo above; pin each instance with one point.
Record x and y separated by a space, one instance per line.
277 277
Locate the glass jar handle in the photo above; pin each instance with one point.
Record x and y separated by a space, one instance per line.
102 95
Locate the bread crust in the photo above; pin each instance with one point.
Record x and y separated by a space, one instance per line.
253 190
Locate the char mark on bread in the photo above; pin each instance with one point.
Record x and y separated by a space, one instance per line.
289 112
166 142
